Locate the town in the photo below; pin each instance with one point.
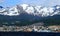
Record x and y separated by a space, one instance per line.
38 27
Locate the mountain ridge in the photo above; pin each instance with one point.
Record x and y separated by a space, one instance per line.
31 10
26 15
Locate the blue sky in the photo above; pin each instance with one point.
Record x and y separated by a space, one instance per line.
6 3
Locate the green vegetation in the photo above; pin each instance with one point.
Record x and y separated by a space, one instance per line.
6 20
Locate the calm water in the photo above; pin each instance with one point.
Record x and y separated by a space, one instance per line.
28 34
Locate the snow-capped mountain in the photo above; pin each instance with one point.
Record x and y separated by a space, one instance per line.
31 10
25 14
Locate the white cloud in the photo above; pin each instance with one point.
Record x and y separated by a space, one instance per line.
1 1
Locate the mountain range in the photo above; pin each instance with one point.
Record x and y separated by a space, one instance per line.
29 14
